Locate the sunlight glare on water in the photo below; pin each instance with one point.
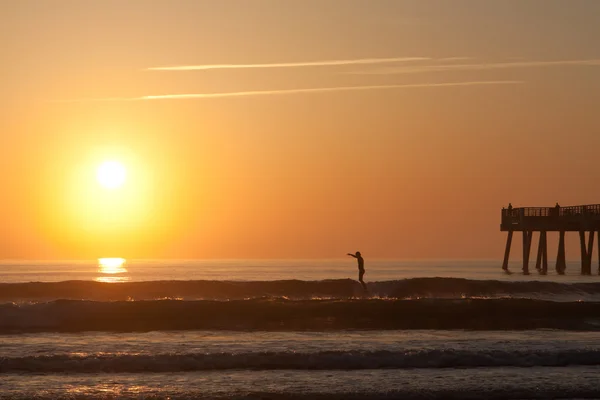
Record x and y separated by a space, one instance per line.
112 270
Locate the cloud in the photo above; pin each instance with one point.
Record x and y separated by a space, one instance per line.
478 67
297 91
326 63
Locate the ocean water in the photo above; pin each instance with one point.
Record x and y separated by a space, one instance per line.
269 270
296 329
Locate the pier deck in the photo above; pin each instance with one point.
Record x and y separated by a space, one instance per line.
584 219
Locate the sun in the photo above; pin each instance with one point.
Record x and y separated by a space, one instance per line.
111 174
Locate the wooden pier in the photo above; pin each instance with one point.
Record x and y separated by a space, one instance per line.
582 219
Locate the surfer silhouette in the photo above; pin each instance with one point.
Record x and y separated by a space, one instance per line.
361 268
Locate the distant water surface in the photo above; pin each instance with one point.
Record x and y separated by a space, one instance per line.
270 270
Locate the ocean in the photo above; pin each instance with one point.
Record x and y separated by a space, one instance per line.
296 329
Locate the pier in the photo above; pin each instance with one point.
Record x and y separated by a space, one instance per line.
582 219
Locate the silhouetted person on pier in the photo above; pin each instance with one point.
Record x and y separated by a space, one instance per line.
557 210
361 268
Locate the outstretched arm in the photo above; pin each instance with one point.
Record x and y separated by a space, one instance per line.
352 255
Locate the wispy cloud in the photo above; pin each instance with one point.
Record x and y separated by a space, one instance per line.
478 67
453 59
326 63
297 91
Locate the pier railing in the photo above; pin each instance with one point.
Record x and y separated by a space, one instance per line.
586 210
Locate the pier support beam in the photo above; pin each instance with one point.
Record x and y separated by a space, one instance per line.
561 261
586 252
527 236
545 255
507 252
590 252
598 252
542 256
583 251
538 261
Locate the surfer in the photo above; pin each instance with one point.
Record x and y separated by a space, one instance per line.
361 268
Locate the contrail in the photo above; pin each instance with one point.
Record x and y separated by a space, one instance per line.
289 65
475 67
294 91
320 90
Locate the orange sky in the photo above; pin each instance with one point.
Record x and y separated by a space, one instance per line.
307 129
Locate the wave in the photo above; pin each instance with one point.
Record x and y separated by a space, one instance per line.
288 315
530 393
296 289
324 360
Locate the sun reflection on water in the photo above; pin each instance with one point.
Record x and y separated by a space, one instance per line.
112 268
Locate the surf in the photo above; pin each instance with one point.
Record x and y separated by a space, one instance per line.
281 314
298 290
290 360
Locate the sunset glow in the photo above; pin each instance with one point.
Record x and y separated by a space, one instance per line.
111 174
365 130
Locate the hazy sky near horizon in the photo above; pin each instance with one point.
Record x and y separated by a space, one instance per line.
276 129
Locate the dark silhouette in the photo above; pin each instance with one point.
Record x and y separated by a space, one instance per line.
582 219
361 268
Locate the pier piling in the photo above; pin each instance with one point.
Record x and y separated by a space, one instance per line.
561 258
545 255
527 236
541 263
590 252
507 251
586 252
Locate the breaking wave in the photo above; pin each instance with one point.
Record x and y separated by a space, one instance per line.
324 360
296 289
